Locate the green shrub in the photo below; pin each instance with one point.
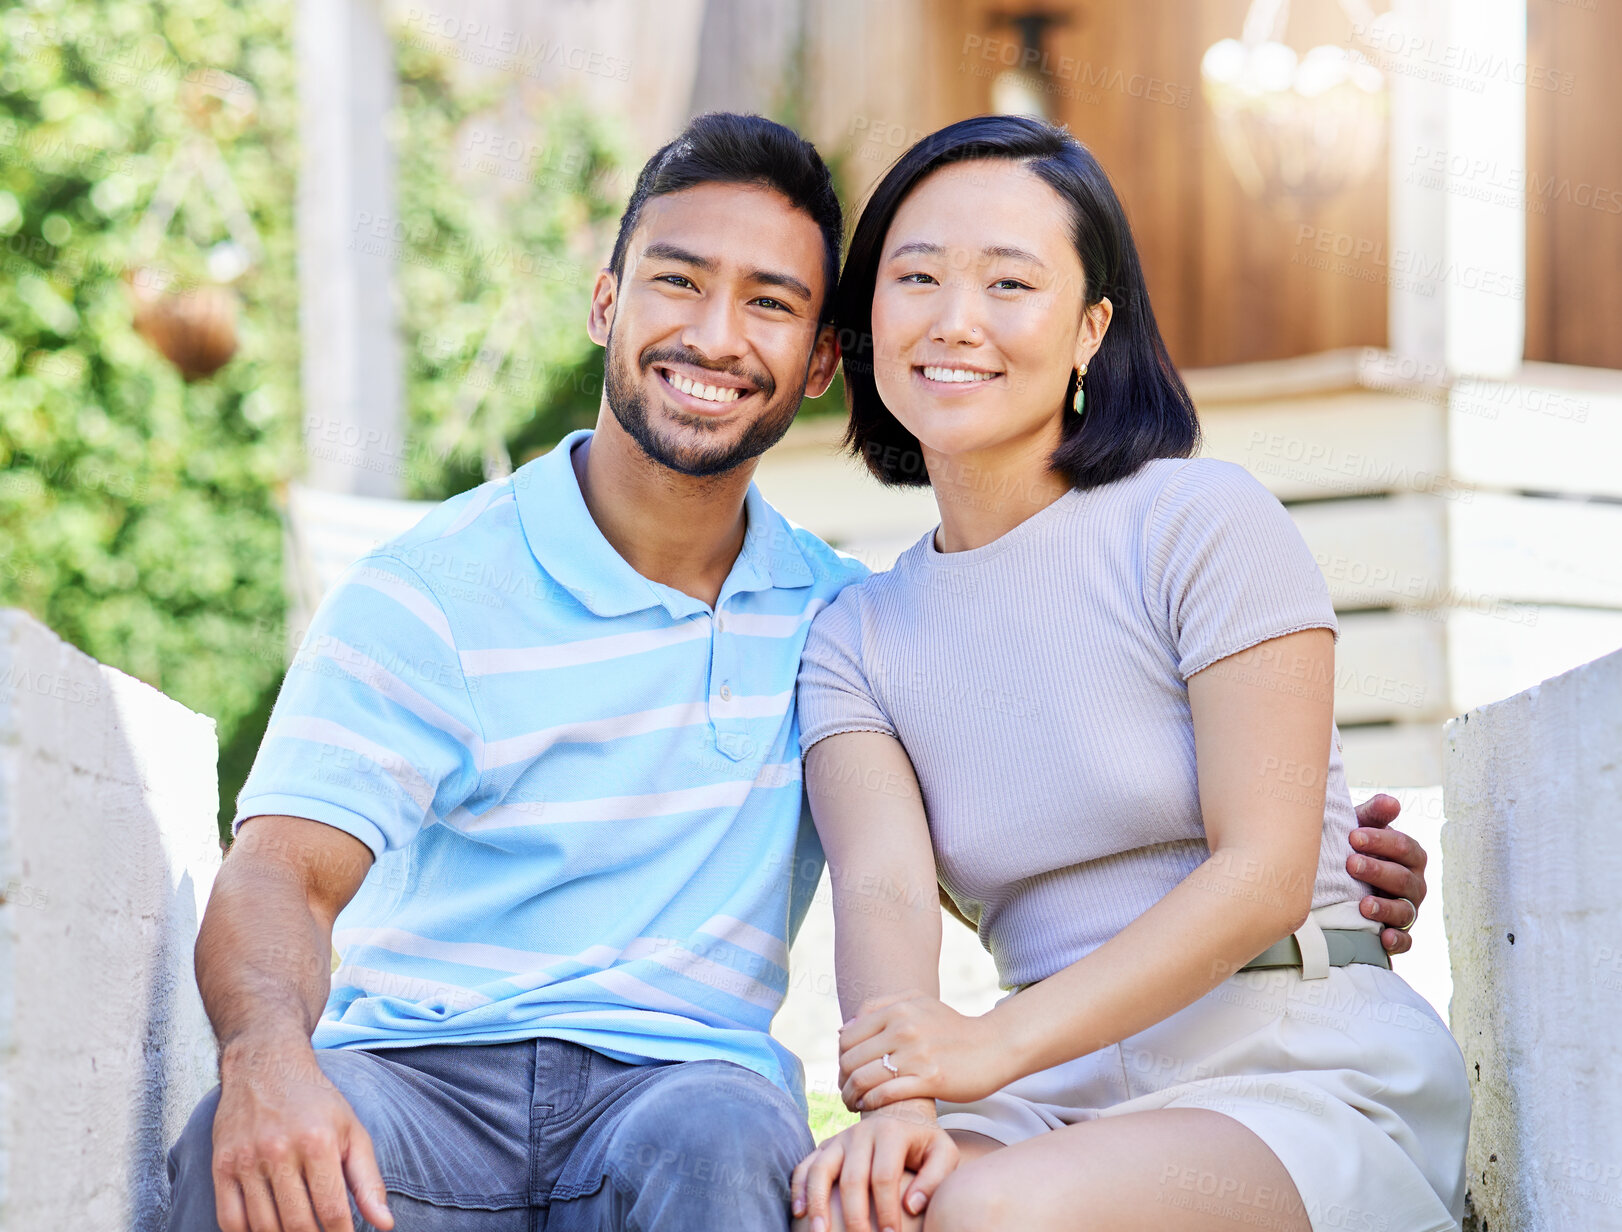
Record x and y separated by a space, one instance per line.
139 512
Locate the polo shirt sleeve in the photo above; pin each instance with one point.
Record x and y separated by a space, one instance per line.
833 693
1225 567
374 730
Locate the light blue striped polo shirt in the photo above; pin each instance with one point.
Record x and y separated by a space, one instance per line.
582 786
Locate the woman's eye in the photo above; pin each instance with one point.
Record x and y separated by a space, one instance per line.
1011 284
916 279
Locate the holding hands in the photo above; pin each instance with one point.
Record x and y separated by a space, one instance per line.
895 1059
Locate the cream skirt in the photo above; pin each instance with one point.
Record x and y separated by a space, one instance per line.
1351 1079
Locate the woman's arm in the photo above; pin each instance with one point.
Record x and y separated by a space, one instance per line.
887 945
1262 729
870 818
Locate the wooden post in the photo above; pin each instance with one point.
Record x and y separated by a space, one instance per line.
347 226
1457 266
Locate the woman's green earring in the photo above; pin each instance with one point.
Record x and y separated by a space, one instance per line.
1080 399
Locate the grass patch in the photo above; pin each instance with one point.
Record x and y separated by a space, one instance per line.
828 1115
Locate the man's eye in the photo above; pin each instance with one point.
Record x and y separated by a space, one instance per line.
675 280
766 301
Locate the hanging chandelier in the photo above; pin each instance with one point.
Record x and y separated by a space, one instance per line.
1295 127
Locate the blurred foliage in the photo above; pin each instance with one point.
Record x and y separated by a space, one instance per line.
139 513
508 200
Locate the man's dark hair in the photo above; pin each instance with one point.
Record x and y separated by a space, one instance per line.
1137 405
725 148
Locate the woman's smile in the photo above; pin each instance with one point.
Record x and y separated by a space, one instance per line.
951 380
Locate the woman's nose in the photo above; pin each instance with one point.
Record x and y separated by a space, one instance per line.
957 319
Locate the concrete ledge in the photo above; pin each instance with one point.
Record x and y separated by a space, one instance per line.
1533 858
108 849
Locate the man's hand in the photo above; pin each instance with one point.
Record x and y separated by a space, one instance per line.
1394 864
285 1140
285 1144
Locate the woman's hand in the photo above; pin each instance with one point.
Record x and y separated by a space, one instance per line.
937 1053
874 1156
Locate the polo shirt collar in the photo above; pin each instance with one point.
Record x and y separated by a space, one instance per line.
567 544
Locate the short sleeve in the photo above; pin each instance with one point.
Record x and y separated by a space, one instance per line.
1225 567
374 730
833 694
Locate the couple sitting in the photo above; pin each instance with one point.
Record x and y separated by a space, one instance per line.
557 835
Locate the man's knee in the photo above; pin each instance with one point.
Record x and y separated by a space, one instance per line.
714 1105
191 1164
714 1127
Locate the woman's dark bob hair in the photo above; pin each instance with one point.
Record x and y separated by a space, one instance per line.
1137 407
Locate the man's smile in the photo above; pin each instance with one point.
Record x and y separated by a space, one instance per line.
710 391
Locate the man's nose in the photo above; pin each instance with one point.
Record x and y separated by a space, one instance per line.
716 330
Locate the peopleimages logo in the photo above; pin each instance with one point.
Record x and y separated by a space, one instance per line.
1344 253
1410 54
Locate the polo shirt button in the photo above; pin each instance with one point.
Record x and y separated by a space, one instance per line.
726 693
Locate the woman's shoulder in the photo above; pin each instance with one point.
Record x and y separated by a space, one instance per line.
1204 489
842 614
1170 477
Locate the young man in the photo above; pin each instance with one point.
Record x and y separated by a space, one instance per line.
540 753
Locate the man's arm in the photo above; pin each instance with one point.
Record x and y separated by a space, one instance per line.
285 1140
1389 860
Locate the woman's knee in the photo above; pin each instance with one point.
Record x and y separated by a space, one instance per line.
969 1200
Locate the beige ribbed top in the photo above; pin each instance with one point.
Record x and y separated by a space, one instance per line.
1038 685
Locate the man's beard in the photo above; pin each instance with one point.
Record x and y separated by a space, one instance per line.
630 407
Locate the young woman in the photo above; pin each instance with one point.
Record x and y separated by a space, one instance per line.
1096 705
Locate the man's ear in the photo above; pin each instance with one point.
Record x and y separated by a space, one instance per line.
824 362
604 297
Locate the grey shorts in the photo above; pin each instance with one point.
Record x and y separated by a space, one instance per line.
547 1136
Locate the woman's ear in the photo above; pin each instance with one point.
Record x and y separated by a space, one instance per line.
1094 324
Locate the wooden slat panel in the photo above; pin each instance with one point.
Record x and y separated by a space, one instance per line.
1390 666
1535 550
1392 755
1378 552
1496 654
1420 551
1574 185
1349 444
1415 666
1553 430
1227 275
